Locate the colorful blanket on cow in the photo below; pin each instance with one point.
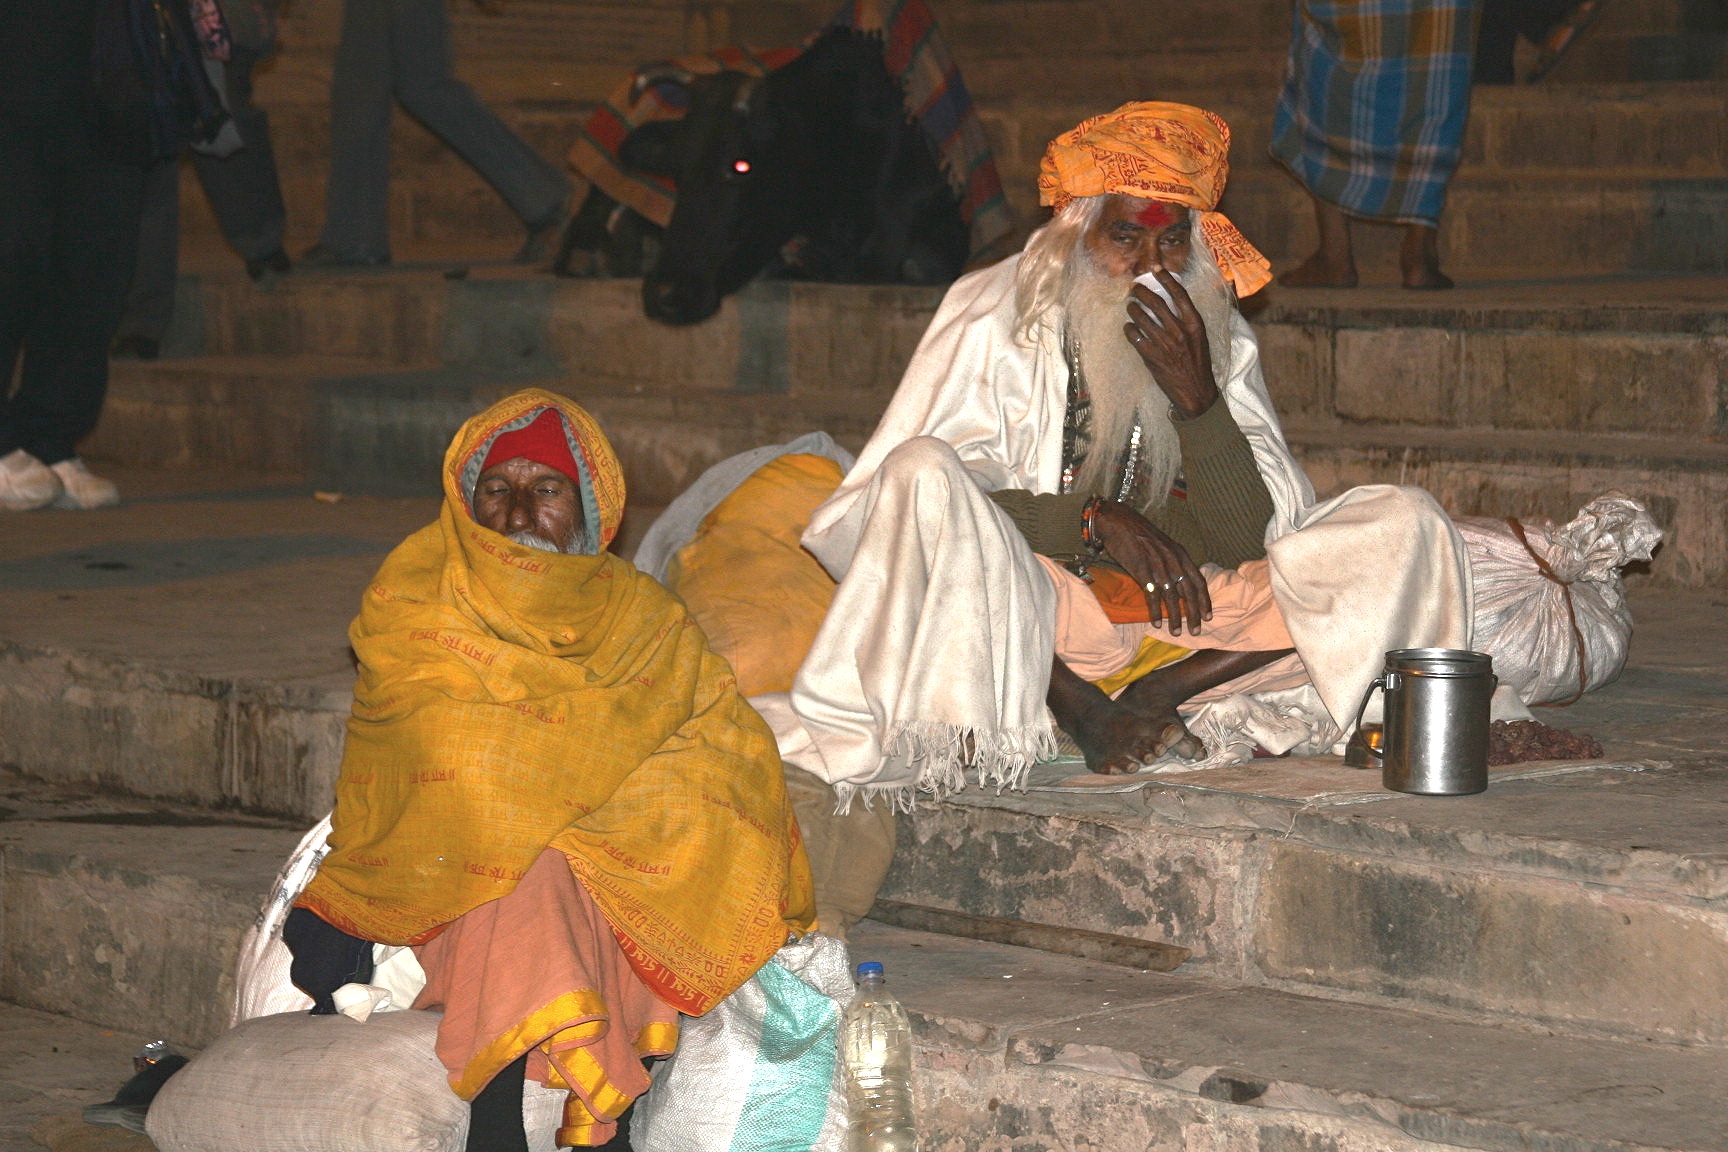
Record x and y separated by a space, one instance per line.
1374 104
916 55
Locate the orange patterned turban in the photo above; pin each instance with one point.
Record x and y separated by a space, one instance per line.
1156 151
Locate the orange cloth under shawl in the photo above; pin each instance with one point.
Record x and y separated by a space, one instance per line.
511 700
1156 151
1092 641
539 971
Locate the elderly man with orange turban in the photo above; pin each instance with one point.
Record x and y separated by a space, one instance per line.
1080 505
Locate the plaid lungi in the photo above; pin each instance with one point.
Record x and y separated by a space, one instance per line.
1374 104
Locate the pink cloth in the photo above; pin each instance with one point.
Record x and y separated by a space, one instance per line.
1245 618
497 969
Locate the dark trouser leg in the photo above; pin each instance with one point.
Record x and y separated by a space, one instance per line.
243 189
325 958
1496 41
534 189
1333 264
69 299
26 214
356 202
620 1141
150 301
495 1115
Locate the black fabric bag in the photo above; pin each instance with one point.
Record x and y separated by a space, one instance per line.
153 96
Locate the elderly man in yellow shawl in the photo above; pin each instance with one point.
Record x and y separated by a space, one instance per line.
551 788
1080 506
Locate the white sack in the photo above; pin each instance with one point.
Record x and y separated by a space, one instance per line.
762 1069
299 1083
262 989
1521 617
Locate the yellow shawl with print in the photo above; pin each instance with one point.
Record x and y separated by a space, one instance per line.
512 699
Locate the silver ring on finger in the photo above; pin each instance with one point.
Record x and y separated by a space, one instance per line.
1180 578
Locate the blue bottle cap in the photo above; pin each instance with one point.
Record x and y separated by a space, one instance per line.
868 967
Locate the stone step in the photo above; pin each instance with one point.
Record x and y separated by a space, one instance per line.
142 910
1510 400
1528 475
51 1068
1610 355
115 674
1022 1049
1586 899
189 647
130 915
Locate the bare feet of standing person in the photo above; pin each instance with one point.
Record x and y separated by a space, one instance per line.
1419 258
1333 264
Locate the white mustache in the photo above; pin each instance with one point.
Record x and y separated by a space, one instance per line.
535 540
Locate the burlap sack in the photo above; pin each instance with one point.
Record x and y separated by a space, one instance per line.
299 1083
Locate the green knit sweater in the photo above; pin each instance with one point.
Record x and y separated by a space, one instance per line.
1221 521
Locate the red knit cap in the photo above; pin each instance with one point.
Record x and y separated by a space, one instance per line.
542 441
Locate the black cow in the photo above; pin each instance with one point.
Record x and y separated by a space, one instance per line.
813 172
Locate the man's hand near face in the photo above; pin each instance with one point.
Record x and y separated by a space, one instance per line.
1172 344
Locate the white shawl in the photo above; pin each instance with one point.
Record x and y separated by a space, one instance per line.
1375 569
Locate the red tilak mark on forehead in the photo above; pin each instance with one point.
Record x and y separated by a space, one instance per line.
1158 214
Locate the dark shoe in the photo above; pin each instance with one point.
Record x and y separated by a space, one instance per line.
135 348
132 1102
319 256
127 1116
269 267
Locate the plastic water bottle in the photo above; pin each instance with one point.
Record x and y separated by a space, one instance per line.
876 1048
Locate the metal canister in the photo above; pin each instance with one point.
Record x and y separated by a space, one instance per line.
1436 720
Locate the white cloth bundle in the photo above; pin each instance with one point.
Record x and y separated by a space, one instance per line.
1550 608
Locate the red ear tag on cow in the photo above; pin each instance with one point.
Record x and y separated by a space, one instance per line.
742 167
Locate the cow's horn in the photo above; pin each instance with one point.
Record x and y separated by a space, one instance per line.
741 98
654 74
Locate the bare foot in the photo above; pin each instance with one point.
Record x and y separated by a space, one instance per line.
1113 736
1320 271
1426 278
1124 740
1419 259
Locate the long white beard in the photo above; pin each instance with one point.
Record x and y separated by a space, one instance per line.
1122 390
535 540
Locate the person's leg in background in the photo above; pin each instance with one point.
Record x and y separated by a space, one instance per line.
356 202
244 189
26 217
150 300
533 188
87 206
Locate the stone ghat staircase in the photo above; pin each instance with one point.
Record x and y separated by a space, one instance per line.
1542 966
1539 968
1585 351
1520 399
